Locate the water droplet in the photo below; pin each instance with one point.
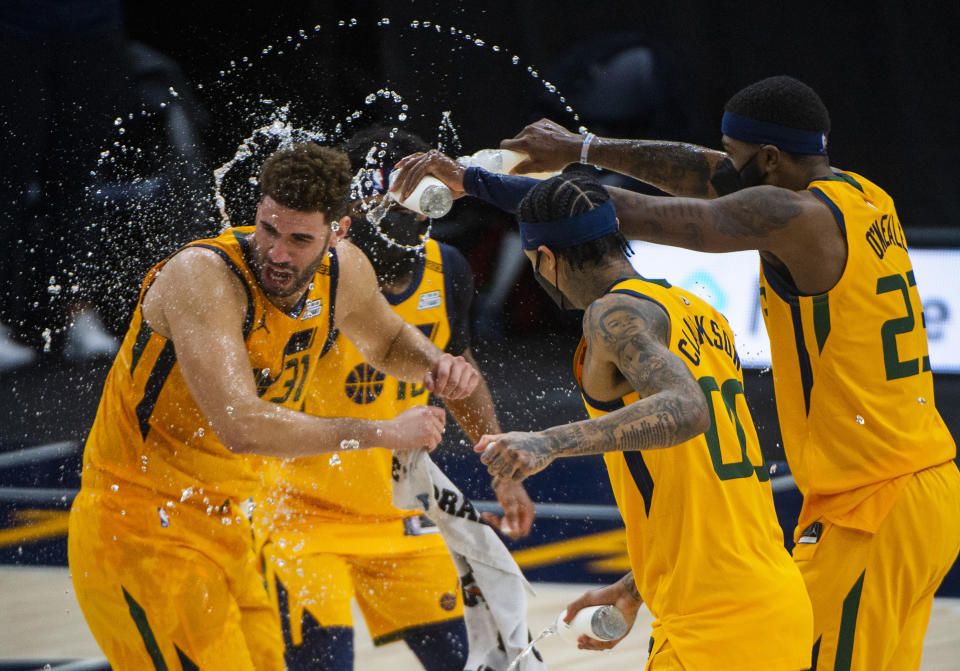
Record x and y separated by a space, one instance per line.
859 419
200 432
186 494
229 408
773 469
921 400
164 518
515 60
402 116
114 487
226 521
335 460
349 444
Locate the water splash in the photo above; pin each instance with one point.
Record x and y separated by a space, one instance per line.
518 660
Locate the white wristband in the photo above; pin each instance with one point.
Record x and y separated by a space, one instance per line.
585 147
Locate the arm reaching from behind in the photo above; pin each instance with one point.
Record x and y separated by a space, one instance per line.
678 168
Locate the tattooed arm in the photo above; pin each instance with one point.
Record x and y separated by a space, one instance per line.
792 228
675 167
631 335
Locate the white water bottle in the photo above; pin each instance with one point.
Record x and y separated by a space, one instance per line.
500 161
431 198
604 623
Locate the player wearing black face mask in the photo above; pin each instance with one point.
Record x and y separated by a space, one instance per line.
363 547
394 244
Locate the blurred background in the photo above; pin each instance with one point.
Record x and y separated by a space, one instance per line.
115 116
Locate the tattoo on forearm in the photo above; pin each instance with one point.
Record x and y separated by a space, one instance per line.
630 584
670 398
675 167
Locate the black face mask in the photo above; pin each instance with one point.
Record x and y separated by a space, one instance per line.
390 261
727 179
551 289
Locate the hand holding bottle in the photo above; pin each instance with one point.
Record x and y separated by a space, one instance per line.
621 594
432 165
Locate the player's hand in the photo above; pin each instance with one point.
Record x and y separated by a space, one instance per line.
452 377
549 145
515 455
618 594
518 510
414 428
415 167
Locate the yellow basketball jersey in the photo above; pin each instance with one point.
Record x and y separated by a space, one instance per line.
851 371
149 432
705 546
356 487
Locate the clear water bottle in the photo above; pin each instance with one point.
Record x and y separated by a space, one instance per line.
604 623
431 198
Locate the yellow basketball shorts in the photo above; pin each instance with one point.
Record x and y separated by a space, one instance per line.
395 590
171 587
872 593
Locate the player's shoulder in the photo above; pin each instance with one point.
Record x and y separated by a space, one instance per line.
455 264
617 316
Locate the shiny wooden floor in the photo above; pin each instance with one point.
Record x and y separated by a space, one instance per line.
40 620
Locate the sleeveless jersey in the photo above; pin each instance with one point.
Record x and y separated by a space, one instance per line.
150 436
851 372
705 546
356 487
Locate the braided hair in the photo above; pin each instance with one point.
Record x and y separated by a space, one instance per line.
575 191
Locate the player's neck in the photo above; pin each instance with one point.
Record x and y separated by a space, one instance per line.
590 284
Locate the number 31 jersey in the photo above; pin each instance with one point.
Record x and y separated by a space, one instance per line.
850 367
149 431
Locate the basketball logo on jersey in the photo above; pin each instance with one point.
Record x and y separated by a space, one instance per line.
364 384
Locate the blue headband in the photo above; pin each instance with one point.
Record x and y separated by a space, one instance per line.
762 132
571 231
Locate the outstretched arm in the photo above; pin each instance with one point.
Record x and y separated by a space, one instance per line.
678 168
477 417
632 334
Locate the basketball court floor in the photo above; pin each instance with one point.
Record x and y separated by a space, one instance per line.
40 621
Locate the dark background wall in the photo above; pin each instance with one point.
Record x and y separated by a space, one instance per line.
886 70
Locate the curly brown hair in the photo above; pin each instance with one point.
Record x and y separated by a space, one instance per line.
308 177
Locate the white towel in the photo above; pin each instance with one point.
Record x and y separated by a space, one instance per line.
494 589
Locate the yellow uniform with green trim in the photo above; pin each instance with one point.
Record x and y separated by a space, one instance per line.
861 431
161 552
331 528
705 546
